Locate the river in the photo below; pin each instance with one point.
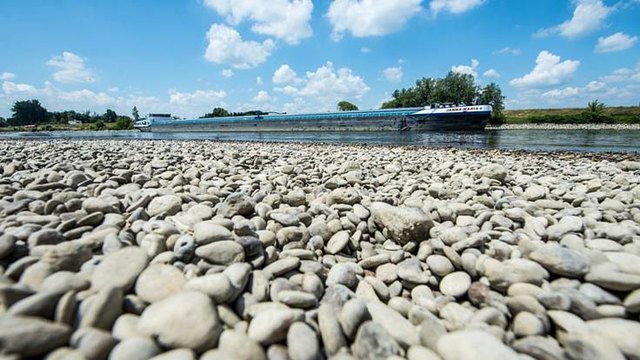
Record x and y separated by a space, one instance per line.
620 141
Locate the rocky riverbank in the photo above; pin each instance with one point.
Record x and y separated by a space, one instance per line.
209 250
532 126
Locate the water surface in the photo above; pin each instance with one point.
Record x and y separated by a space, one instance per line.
621 141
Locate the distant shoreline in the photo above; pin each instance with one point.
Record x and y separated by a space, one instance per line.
533 126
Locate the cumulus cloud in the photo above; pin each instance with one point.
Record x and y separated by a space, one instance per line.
227 73
259 81
491 73
616 42
327 85
393 74
453 6
284 75
7 76
588 17
467 69
549 70
262 97
227 47
508 51
283 19
197 97
71 69
370 17
623 75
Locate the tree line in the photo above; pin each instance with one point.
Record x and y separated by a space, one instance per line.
31 112
454 88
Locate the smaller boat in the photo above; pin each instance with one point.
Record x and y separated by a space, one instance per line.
144 124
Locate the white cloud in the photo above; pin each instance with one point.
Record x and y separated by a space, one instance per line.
549 70
227 47
284 19
393 74
467 69
71 69
588 17
197 97
262 97
259 81
616 42
11 88
113 89
623 75
327 82
7 76
227 73
284 75
491 73
326 86
365 50
288 90
370 17
453 6
508 51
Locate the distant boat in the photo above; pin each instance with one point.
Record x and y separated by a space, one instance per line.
437 117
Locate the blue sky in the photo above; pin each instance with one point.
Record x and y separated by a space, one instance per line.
188 56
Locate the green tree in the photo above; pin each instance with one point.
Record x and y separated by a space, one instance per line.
110 116
123 123
28 112
3 122
135 113
99 125
217 112
456 88
346 106
492 95
595 113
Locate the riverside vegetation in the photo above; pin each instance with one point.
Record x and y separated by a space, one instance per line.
209 250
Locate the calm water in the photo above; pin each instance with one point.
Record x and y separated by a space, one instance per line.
622 141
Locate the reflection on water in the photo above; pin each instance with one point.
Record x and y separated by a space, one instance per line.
627 141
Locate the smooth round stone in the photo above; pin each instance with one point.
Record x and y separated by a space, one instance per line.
455 284
187 319
239 345
395 324
103 309
338 242
120 269
343 274
632 302
473 344
31 336
373 342
92 205
138 348
282 266
221 252
622 332
45 237
439 265
158 282
269 327
561 261
206 232
166 205
216 286
7 243
176 354
93 343
297 299
302 342
527 324
388 273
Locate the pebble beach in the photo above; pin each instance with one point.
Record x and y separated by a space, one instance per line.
227 250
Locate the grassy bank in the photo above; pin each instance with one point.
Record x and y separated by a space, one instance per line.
62 127
613 115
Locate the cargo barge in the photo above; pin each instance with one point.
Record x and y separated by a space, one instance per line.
430 118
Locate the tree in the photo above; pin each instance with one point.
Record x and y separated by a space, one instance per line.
3 122
135 113
110 116
595 113
28 112
346 106
456 88
123 123
217 112
492 95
